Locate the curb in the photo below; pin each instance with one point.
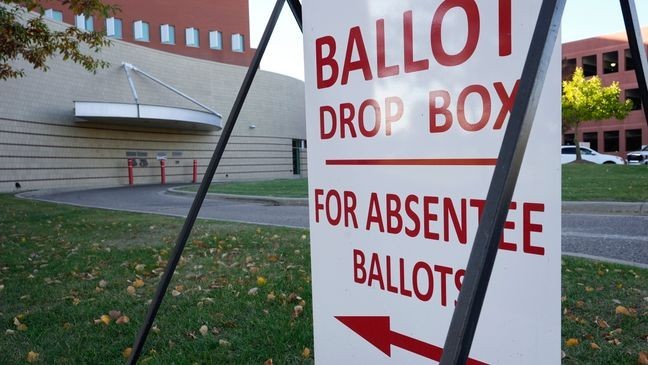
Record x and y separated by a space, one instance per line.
302 202
568 207
638 208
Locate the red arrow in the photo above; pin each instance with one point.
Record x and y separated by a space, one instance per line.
376 331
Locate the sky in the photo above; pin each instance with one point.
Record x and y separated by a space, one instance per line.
581 19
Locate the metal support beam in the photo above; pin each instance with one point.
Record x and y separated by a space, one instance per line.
128 66
204 186
131 83
637 49
482 257
296 8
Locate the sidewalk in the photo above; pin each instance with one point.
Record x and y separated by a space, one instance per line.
568 207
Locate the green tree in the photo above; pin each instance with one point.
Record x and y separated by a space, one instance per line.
24 36
586 99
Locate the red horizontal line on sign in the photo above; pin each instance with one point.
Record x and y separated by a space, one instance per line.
414 162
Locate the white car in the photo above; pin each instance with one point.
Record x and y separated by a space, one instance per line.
638 157
568 154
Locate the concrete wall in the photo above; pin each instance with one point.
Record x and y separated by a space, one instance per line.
41 146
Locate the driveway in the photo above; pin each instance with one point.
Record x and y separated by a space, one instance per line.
610 237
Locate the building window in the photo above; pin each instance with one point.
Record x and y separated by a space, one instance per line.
192 37
167 34
568 139
114 28
84 22
54 14
238 43
592 139
215 40
629 62
589 65
633 139
611 141
610 62
141 31
568 67
634 96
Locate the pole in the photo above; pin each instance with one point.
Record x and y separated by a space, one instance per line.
162 172
194 178
204 186
130 171
482 257
637 50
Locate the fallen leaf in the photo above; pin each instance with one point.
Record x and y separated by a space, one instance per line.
22 327
204 330
297 310
306 353
32 356
594 346
562 354
253 291
130 290
271 296
268 362
138 283
589 289
127 352
139 267
175 293
643 358
122 320
602 323
580 304
622 310
155 329
261 281
572 342
103 283
10 332
105 319
224 343
114 314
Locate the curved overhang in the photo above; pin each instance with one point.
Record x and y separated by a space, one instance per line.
146 115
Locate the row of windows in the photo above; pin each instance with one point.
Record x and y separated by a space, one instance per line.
141 32
610 63
610 140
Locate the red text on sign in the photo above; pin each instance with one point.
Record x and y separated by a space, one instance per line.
328 67
420 280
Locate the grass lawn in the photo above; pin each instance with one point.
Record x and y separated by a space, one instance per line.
580 182
75 282
63 268
604 182
289 188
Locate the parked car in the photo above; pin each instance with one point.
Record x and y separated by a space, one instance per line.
568 154
638 157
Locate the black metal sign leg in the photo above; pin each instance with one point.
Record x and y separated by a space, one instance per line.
482 257
204 186
637 50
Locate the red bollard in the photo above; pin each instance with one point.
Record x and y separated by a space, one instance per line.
130 171
162 172
195 171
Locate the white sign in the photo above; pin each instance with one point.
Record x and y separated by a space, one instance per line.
407 104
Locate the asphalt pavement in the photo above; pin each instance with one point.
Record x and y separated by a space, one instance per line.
615 232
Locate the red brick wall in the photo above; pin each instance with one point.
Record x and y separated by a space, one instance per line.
626 79
227 16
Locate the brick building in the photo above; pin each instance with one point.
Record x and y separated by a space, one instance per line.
609 58
69 127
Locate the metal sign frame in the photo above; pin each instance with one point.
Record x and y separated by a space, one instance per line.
482 257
